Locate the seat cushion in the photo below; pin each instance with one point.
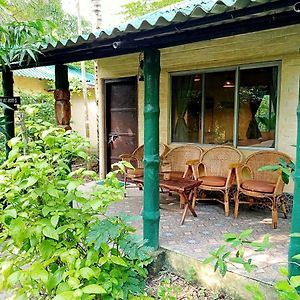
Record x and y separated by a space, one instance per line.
213 180
258 186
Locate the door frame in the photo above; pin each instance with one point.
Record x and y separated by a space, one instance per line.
106 82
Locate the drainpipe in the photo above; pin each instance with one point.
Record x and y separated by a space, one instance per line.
8 91
151 213
83 80
99 98
294 267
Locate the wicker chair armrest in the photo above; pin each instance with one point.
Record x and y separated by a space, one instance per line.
130 158
236 165
125 156
231 176
241 171
193 162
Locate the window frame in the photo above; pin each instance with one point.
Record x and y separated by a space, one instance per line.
235 68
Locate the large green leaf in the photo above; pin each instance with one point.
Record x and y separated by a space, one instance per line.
53 192
68 295
295 281
47 247
118 260
94 289
55 279
87 273
18 231
50 232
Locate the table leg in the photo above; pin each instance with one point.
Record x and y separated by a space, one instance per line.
182 200
188 205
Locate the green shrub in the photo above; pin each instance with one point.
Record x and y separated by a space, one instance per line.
51 250
232 252
45 112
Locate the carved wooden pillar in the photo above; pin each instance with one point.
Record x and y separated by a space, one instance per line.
62 97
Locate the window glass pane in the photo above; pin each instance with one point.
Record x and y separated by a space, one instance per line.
257 107
219 107
186 108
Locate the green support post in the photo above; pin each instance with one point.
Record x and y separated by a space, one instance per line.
151 213
294 267
8 91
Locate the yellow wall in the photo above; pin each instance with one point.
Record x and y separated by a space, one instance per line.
78 116
31 85
34 85
265 46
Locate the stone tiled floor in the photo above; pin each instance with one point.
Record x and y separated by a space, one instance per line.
199 235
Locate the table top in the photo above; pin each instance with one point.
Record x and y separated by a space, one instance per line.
174 184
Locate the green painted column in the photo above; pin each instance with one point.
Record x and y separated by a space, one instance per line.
294 268
151 213
8 91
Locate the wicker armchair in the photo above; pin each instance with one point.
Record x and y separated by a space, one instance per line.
178 157
136 159
260 187
216 171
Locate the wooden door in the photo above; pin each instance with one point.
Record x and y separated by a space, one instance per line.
121 118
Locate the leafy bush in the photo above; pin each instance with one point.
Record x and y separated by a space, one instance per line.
233 253
51 250
45 112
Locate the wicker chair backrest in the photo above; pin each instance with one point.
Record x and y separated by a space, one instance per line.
264 158
178 156
138 153
218 160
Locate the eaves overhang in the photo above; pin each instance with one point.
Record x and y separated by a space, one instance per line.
192 24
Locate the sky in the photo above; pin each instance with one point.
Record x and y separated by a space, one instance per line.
110 9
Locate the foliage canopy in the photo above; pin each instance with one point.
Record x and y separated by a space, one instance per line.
30 10
142 7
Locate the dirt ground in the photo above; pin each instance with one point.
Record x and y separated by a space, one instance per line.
168 286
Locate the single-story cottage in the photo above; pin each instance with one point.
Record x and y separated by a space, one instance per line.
216 72
237 89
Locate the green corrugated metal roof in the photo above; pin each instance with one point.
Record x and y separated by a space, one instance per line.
48 72
177 13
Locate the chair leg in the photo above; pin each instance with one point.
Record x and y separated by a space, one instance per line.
274 214
236 204
283 208
182 202
251 201
226 203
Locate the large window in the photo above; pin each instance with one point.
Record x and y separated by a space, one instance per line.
212 108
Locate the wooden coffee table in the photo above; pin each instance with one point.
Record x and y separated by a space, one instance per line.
186 188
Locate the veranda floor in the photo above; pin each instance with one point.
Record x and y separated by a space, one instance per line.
200 235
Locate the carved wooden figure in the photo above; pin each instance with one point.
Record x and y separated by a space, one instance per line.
62 97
